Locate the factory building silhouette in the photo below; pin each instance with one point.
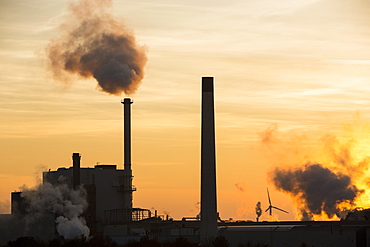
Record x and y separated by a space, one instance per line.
109 190
110 212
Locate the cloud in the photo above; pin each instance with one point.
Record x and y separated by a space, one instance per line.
94 44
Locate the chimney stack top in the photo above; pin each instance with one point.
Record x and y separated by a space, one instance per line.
207 84
127 101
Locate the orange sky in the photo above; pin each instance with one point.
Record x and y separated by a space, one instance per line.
303 66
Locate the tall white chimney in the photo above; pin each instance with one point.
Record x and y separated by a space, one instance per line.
208 204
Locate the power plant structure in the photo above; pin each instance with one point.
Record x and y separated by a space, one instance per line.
208 199
127 181
108 206
105 181
109 190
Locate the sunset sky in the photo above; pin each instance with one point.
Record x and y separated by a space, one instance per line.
292 86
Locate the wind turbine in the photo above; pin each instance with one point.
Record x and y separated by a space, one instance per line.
271 207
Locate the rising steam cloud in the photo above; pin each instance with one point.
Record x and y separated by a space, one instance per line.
94 44
65 203
316 189
324 175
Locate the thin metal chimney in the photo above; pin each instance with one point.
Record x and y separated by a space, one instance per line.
127 187
76 170
208 204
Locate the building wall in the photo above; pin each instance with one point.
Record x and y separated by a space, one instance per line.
108 183
109 194
296 236
14 226
18 203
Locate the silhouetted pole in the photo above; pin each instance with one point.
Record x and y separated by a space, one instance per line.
208 204
127 189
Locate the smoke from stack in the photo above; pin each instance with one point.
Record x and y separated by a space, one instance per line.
4 207
68 205
94 44
323 174
317 189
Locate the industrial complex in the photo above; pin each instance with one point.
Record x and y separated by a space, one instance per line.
99 201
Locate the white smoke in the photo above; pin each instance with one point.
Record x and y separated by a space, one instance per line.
67 204
71 228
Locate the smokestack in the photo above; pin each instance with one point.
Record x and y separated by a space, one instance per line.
127 132
128 189
76 170
208 204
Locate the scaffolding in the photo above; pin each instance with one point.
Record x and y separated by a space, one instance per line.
122 216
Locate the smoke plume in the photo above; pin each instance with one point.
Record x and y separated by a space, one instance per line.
4 207
67 204
94 44
318 189
324 173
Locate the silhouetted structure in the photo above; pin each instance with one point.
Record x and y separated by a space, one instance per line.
127 187
208 203
18 203
270 207
76 170
110 212
105 186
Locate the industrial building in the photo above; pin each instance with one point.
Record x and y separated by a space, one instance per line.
105 192
109 195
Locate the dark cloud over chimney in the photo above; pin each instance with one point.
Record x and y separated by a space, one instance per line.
94 44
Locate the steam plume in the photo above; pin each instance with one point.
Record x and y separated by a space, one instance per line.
328 171
316 189
94 44
4 207
59 200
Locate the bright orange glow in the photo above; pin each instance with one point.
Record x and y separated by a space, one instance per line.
348 153
296 70
342 151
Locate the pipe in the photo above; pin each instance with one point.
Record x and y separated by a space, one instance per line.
127 133
128 188
76 170
208 204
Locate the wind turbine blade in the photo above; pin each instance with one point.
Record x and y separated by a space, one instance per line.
268 195
268 208
280 209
